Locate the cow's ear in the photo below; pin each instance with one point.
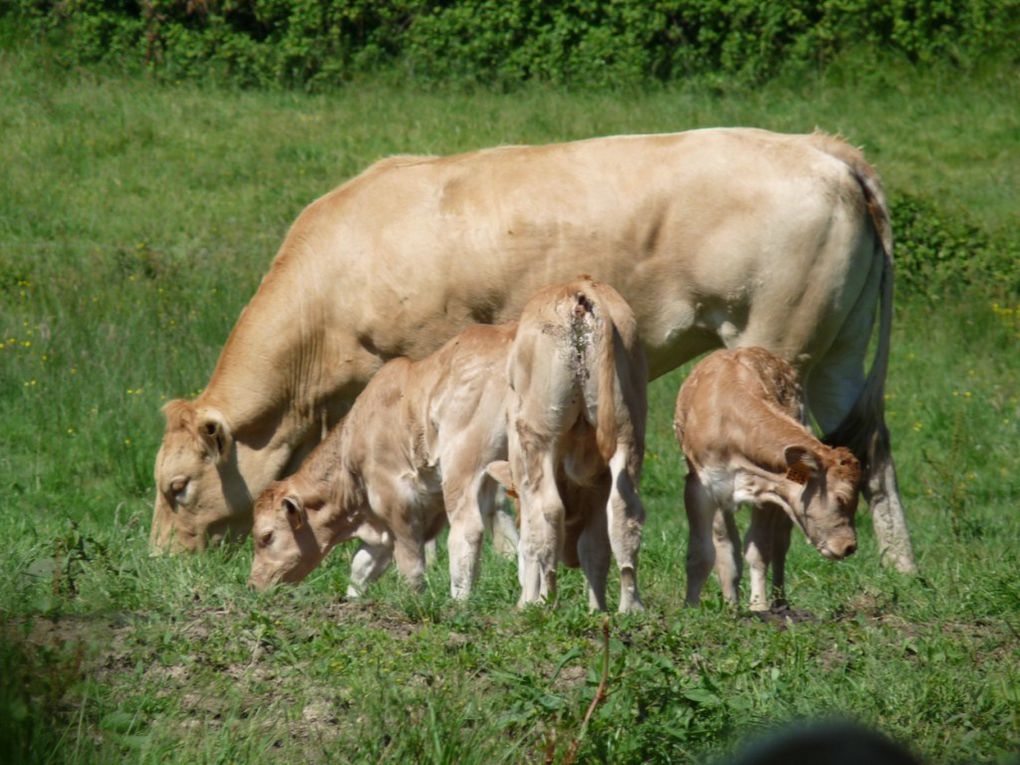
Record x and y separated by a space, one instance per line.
294 509
801 464
500 472
215 434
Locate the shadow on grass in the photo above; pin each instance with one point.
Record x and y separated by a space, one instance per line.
34 681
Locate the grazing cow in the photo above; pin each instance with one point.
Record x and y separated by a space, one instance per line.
725 237
576 418
739 421
411 454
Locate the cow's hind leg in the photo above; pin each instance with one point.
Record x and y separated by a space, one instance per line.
832 390
625 517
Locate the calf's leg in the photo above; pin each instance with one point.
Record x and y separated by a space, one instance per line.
758 553
625 517
371 558
410 557
700 550
592 544
463 498
726 542
781 527
501 526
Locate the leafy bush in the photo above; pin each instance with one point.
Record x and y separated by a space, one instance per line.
318 43
936 252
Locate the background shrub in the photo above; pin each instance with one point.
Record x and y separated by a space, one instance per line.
938 252
319 43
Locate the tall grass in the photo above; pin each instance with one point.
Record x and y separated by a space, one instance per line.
135 222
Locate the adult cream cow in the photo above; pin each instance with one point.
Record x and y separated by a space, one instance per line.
726 237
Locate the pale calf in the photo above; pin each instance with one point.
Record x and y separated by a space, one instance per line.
575 422
411 454
739 421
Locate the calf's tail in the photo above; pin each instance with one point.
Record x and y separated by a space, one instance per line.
590 310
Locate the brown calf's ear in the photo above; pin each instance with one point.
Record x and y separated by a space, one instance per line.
500 472
295 512
801 464
215 434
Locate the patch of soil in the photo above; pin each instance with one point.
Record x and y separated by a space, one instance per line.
782 615
571 676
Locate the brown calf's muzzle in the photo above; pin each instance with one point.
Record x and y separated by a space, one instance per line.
839 546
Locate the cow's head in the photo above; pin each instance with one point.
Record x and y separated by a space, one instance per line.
821 489
296 523
200 494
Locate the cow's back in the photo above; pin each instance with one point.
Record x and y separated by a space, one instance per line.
663 218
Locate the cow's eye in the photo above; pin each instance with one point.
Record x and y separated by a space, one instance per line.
178 490
266 539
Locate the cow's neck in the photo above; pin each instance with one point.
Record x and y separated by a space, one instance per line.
267 381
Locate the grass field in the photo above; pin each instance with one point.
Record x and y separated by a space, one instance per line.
135 222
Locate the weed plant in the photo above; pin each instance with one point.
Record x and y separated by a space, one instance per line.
135 222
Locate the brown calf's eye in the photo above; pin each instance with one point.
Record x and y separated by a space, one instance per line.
266 539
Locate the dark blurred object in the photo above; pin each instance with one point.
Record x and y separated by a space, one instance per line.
824 743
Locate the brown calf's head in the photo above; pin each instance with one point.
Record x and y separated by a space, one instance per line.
200 494
296 523
287 548
823 488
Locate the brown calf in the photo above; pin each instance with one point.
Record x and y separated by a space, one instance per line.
739 421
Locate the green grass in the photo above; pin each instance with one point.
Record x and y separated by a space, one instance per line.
135 222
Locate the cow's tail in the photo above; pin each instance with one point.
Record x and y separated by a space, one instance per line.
856 429
592 312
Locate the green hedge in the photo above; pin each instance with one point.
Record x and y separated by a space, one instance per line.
938 253
319 43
